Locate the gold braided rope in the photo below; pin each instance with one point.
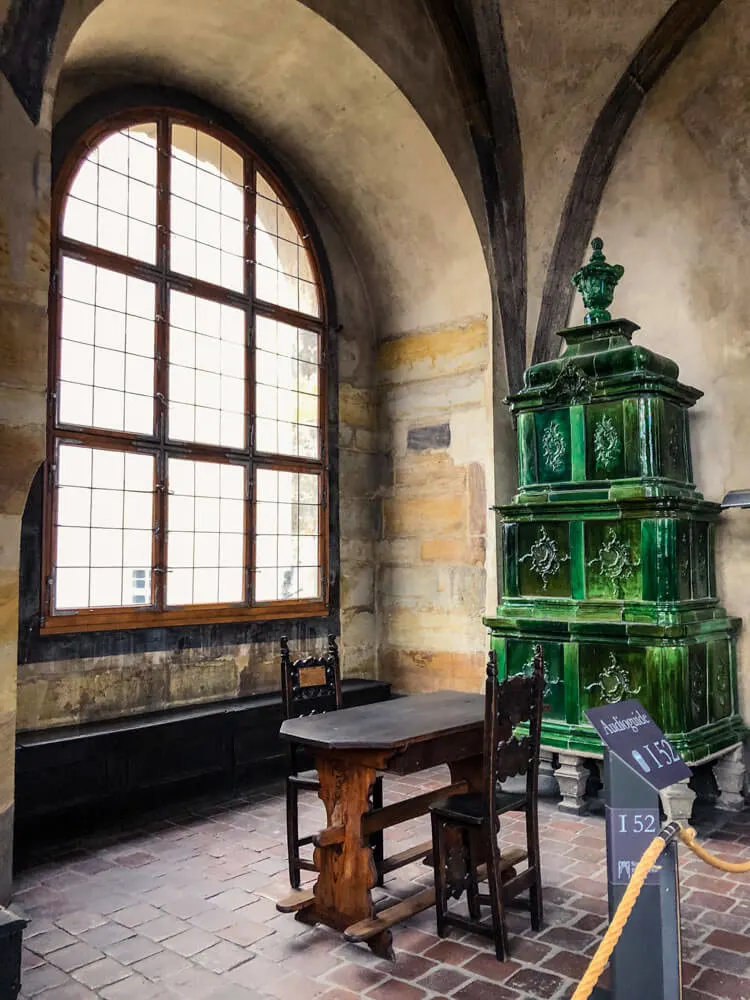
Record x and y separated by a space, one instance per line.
628 901
687 836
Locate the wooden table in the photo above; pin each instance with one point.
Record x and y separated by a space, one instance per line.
401 736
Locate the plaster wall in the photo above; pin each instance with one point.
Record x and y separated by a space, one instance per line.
435 392
676 214
565 58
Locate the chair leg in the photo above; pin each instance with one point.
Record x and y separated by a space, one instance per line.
438 857
376 841
532 847
472 883
496 899
292 834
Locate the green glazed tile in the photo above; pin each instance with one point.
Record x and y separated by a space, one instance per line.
527 464
544 559
605 441
553 445
719 681
613 560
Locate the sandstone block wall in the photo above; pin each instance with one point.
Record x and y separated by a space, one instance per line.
435 426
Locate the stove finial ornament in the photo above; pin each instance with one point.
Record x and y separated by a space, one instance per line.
596 282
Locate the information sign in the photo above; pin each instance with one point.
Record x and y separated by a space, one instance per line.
630 732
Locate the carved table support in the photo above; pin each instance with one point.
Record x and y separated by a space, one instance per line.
346 868
572 776
731 778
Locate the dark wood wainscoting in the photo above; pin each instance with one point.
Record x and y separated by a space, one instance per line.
82 777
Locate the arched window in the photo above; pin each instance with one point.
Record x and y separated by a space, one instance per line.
186 460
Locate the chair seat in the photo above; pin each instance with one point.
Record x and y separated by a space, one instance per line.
471 807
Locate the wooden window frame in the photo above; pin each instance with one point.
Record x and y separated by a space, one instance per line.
158 614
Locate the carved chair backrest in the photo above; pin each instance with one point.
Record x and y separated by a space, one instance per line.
309 685
507 704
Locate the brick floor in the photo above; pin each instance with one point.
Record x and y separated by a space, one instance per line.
182 905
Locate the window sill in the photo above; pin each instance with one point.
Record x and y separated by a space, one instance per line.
106 621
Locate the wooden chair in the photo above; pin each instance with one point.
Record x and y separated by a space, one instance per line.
309 686
465 827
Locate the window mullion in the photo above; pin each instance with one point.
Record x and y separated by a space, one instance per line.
49 503
162 364
249 532
250 373
323 535
50 526
162 193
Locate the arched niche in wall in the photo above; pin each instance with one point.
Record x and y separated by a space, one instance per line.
411 285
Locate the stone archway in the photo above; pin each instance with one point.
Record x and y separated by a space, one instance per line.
414 300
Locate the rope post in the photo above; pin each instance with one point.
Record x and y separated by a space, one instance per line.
647 960
638 762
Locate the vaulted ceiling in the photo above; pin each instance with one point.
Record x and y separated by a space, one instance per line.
390 106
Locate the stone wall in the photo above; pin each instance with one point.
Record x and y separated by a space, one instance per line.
435 426
71 691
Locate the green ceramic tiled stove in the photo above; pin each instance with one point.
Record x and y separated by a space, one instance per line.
608 548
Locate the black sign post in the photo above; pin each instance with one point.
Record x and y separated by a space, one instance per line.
638 762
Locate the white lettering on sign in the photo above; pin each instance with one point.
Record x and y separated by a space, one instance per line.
661 753
641 823
632 722
629 832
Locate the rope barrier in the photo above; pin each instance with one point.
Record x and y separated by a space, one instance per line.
628 901
687 836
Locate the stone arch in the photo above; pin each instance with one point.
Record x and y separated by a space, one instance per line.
414 304
323 105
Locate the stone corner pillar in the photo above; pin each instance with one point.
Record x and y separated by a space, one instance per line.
24 287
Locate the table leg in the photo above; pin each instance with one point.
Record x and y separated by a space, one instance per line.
346 869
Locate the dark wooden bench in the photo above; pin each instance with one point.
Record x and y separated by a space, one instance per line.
102 770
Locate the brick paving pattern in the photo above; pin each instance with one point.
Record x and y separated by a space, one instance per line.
182 905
